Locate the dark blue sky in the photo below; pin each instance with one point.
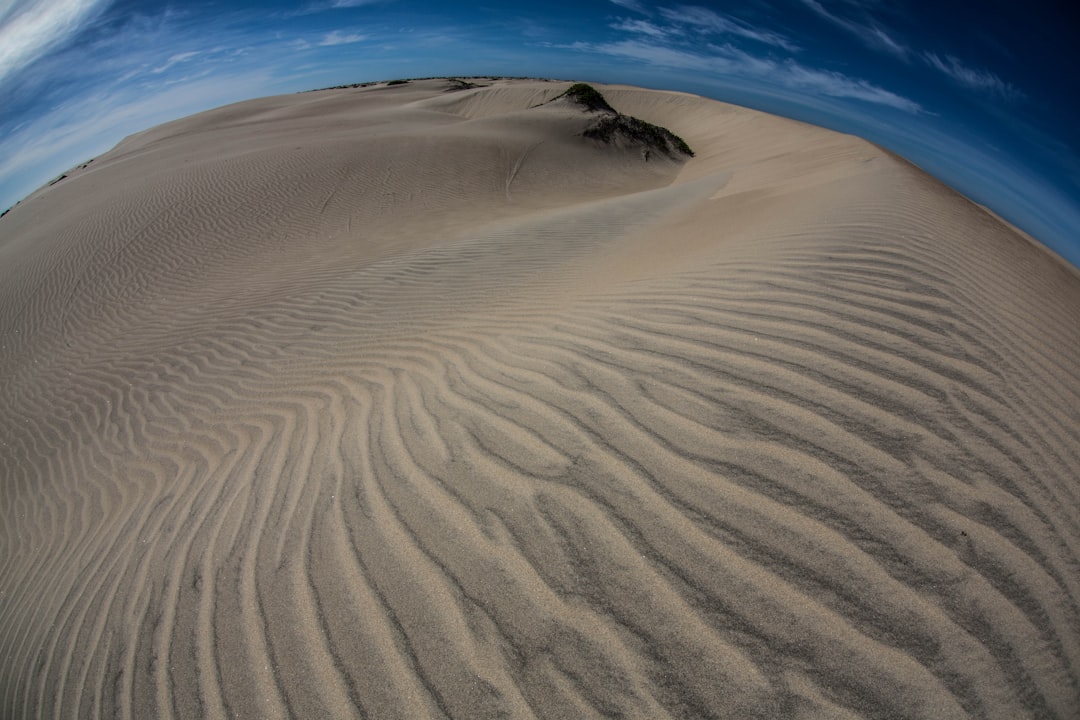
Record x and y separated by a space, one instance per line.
983 96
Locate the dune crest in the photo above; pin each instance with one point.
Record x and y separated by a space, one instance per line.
394 402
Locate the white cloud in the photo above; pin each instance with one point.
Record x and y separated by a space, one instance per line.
876 37
631 5
649 53
731 62
336 38
981 80
324 5
177 58
705 20
642 27
31 28
6 6
868 32
835 84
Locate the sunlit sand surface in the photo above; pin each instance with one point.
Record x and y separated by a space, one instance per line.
395 402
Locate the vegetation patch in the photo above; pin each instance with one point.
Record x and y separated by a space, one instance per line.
608 128
345 87
613 125
462 83
588 97
459 84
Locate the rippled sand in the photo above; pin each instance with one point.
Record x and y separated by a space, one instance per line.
396 402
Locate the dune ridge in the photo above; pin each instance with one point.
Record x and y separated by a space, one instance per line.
399 402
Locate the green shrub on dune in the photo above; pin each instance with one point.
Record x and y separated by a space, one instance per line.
631 128
613 124
588 97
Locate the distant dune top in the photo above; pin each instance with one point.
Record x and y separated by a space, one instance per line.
486 398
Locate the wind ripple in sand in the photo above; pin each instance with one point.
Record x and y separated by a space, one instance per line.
696 448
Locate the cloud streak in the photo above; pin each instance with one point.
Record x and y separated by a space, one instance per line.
699 39
641 27
707 21
631 5
729 61
174 59
971 78
838 85
874 36
869 33
30 29
337 38
319 7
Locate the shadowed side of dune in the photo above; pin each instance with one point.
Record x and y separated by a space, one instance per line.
390 402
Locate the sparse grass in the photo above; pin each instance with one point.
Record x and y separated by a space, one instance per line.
402 81
614 124
588 97
345 87
459 84
607 128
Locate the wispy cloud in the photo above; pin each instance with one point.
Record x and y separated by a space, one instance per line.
337 38
729 61
974 79
631 5
29 29
869 32
642 27
173 60
707 21
648 53
324 5
702 40
836 84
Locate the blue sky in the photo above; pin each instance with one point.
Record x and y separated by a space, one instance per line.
986 97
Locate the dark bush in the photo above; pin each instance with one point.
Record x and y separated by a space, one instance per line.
613 124
607 128
587 96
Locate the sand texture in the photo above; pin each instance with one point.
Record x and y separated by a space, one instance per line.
395 402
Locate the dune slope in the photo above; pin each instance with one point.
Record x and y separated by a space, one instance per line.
396 402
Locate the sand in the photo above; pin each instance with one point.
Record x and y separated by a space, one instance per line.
393 402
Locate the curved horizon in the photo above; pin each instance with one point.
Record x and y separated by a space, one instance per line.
426 401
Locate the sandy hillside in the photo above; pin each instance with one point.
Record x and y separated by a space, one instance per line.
395 402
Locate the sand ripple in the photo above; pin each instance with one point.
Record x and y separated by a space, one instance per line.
395 404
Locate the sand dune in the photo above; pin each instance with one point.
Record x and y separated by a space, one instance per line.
395 402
